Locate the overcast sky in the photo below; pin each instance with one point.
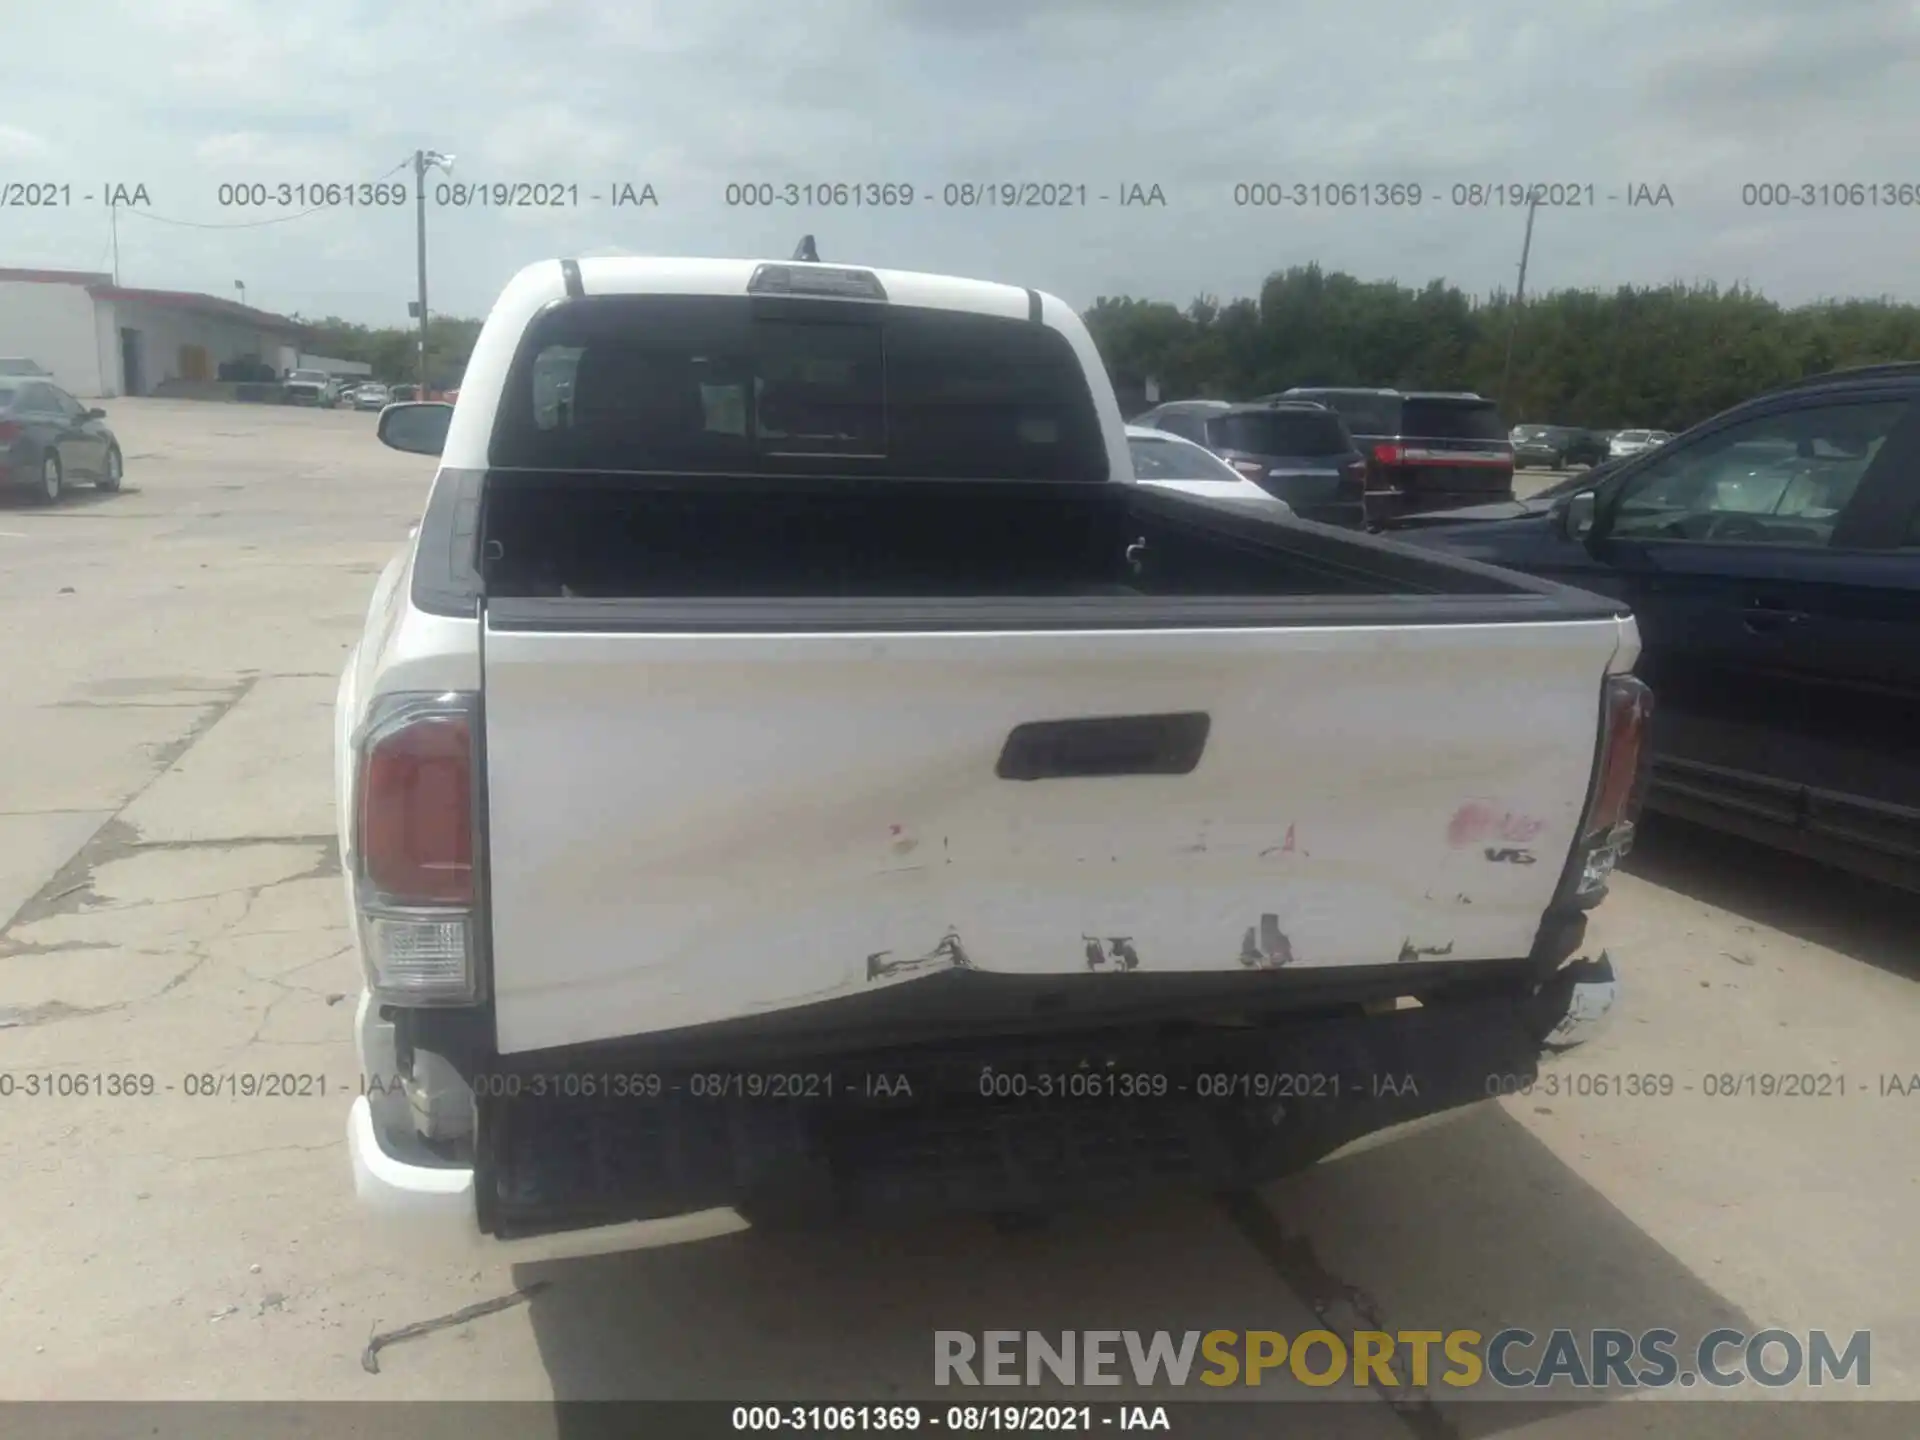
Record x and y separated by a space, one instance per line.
1701 96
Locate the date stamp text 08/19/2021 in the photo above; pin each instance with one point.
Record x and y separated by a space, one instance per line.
855 1084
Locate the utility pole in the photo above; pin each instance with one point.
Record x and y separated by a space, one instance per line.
420 197
1519 299
113 221
423 161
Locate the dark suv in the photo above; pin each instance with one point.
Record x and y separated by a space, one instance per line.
1296 451
1771 556
1425 450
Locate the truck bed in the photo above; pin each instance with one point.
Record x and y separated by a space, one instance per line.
588 536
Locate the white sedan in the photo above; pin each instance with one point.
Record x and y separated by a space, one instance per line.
1172 462
1632 442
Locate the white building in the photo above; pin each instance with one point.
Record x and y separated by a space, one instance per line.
100 339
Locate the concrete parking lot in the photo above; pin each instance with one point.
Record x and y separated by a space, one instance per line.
168 865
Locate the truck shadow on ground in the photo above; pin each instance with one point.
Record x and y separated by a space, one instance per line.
1468 1222
1870 922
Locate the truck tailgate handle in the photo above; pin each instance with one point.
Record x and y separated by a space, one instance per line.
1104 745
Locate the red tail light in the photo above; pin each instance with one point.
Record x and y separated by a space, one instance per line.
10 430
1389 454
416 809
1606 831
1616 798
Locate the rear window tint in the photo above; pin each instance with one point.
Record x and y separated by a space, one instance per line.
1279 432
720 384
1452 420
1365 414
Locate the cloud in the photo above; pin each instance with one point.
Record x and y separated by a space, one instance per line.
19 144
1701 95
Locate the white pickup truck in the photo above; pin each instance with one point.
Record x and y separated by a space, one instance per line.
796 771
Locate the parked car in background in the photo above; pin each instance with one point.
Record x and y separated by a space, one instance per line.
1425 450
1172 462
1297 452
1772 558
18 365
403 394
1625 443
371 396
48 440
1556 446
307 387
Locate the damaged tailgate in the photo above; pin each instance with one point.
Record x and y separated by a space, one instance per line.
691 828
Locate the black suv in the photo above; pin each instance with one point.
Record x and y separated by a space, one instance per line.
1295 451
1557 446
1772 559
1425 450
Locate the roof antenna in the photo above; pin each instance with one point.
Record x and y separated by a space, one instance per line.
805 251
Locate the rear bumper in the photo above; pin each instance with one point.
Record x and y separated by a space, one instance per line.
1023 1124
1424 500
1349 515
432 1208
428 1205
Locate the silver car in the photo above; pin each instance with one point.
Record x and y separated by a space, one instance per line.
1632 442
371 397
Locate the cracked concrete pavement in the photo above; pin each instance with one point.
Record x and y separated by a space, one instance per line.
170 882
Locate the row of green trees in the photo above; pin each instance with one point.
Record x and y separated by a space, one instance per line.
394 352
1663 357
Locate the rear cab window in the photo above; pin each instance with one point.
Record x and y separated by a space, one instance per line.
728 385
1364 412
1447 419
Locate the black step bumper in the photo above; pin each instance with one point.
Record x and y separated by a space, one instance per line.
1026 1124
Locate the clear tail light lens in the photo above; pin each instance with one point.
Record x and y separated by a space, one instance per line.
415 848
